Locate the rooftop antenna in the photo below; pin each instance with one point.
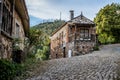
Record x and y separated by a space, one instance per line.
60 16
81 13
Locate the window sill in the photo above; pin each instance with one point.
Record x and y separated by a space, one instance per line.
6 34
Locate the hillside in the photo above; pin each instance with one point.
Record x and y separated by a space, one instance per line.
49 27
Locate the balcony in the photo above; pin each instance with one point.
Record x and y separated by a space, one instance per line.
77 37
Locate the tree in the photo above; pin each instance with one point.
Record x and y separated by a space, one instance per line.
33 40
38 44
44 50
108 24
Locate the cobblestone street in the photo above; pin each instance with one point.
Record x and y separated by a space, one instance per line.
99 65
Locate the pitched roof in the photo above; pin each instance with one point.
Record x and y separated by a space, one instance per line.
81 20
77 20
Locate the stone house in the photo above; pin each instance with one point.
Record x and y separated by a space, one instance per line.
77 36
14 23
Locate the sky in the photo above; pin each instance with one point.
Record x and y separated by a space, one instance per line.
48 10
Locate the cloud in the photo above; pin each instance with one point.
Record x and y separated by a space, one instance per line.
50 9
43 9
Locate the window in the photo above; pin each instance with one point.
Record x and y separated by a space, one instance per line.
6 21
81 33
17 30
84 33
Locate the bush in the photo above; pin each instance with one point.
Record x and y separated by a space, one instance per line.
42 54
96 48
106 39
103 38
8 70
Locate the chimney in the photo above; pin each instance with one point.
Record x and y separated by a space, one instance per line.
71 14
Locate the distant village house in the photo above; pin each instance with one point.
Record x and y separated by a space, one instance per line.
75 37
14 23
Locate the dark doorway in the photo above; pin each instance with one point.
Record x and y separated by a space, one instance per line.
56 55
64 55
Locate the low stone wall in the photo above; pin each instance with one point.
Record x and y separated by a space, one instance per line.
85 47
79 48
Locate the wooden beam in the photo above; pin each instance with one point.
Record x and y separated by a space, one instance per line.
69 32
75 37
13 16
75 28
1 9
75 32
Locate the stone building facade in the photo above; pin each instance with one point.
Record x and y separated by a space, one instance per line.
14 23
77 36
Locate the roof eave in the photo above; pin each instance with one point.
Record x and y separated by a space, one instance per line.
22 10
59 28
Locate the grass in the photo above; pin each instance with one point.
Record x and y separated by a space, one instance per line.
31 68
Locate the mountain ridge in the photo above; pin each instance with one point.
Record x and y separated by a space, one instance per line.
49 27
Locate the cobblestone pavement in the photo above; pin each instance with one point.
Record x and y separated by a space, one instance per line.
99 65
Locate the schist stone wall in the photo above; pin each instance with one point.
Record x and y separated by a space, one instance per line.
58 41
5 47
14 26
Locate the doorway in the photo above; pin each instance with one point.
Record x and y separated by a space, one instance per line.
64 55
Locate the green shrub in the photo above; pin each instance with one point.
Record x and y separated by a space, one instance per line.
8 70
111 39
42 54
103 38
106 39
31 55
96 48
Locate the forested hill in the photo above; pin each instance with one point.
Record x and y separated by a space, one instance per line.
49 27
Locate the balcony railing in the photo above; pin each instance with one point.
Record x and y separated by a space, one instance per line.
76 36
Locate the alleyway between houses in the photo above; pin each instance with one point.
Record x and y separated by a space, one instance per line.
99 65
